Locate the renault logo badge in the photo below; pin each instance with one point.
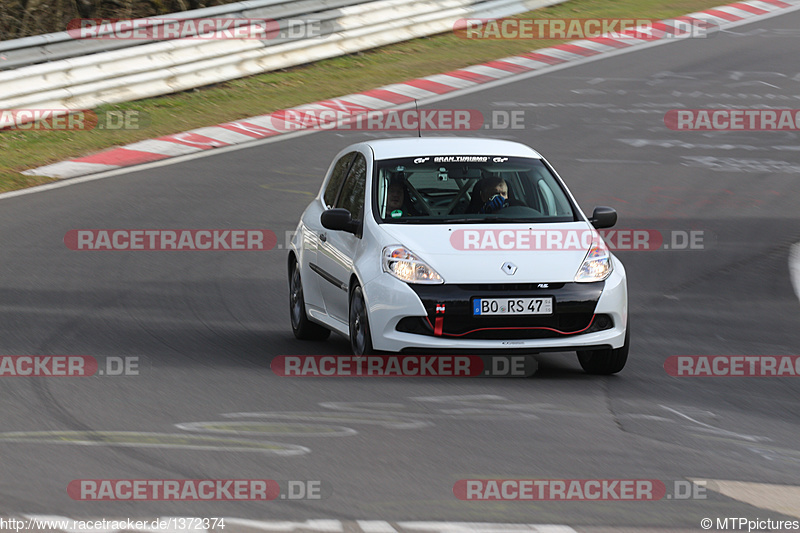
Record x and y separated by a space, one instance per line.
509 268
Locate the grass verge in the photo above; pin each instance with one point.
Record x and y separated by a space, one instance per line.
265 93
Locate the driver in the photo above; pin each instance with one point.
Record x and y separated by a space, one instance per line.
494 195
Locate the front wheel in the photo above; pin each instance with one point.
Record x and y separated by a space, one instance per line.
302 327
608 361
360 336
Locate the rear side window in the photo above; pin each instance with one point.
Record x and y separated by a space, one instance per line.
337 177
352 195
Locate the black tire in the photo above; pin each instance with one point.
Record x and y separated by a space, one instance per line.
302 327
608 361
360 335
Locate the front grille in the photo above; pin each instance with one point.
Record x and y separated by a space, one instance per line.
451 305
505 329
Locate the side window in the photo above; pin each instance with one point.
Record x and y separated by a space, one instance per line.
337 177
352 196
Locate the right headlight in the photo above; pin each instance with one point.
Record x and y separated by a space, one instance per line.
597 264
401 263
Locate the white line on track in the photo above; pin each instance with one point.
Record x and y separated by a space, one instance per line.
794 268
711 429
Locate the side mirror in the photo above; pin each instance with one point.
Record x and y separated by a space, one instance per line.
339 220
603 217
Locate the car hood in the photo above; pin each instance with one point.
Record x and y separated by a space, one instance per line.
477 253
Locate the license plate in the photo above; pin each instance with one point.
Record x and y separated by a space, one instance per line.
512 306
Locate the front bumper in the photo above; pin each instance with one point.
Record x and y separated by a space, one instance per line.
586 316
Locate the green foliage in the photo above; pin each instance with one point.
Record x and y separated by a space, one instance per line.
23 18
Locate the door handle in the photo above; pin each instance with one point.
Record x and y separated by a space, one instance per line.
323 237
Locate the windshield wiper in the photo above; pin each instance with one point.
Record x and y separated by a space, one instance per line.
489 218
475 220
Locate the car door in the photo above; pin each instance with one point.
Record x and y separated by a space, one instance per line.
337 249
312 229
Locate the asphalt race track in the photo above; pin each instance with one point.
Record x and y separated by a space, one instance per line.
205 325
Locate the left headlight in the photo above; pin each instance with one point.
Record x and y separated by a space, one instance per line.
401 263
597 265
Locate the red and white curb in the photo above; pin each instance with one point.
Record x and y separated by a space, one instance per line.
389 96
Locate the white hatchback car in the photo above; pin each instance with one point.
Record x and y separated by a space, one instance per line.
456 244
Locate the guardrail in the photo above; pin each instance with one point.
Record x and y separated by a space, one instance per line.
136 69
27 51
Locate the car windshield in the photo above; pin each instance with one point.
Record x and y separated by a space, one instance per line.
468 190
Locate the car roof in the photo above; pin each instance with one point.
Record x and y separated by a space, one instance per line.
414 146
